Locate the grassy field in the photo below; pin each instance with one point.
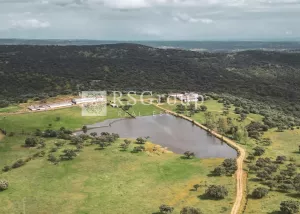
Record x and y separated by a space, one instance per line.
10 109
69 117
101 181
113 181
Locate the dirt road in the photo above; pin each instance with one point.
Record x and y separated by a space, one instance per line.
240 185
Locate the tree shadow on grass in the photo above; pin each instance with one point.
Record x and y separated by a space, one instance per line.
275 212
99 148
157 213
206 197
294 195
255 179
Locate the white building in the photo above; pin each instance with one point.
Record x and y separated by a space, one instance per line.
88 100
60 105
38 108
186 97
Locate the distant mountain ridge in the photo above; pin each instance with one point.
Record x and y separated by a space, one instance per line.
209 46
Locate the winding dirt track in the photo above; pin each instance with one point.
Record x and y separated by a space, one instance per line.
240 185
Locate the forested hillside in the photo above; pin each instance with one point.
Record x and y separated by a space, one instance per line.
35 71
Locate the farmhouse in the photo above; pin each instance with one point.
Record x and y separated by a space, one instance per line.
186 97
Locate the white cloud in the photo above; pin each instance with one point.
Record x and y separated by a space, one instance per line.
29 24
149 31
183 17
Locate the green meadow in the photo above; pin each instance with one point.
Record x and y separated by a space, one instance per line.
101 181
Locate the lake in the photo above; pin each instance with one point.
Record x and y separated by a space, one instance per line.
177 134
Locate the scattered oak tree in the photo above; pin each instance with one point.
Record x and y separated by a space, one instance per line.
216 192
190 210
260 192
189 155
289 207
166 209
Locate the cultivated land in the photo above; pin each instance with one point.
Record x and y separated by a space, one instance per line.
109 180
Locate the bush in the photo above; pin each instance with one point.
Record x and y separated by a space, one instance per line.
18 163
189 154
258 151
216 192
6 168
69 154
140 140
3 185
260 192
280 159
230 166
138 149
54 149
166 209
289 207
190 210
31 142
53 159
218 171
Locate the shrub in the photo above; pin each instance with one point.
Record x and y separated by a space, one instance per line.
260 192
203 108
140 140
53 159
286 187
18 163
54 149
3 185
218 171
6 168
289 207
31 142
69 154
189 154
280 159
216 192
258 151
190 210
94 134
230 165
166 209
138 149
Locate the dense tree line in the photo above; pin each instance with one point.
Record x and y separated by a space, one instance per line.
43 71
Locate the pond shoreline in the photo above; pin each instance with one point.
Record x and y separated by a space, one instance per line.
176 134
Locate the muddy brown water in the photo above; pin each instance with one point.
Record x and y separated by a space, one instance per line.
177 134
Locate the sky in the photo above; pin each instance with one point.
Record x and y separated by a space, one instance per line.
151 19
